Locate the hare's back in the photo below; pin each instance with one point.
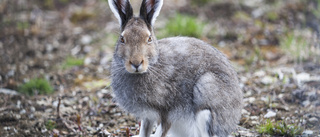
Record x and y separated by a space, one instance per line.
192 53
189 59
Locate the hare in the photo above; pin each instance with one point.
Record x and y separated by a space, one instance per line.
184 85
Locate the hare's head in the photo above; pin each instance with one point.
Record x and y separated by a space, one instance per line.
137 45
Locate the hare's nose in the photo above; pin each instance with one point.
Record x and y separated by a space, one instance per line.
136 64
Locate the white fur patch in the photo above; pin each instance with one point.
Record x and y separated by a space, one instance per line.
202 118
123 32
113 9
157 12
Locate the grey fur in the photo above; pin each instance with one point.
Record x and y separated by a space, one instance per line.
184 76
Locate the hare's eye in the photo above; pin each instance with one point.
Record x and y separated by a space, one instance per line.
121 39
150 39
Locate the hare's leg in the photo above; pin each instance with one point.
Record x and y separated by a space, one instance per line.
146 127
163 129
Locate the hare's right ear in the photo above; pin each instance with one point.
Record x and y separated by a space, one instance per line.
150 9
122 10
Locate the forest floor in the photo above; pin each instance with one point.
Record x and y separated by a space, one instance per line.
274 46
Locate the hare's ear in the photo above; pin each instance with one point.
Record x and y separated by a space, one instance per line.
150 9
122 10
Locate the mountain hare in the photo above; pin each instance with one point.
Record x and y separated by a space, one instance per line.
184 85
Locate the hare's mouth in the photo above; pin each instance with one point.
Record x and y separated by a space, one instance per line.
136 68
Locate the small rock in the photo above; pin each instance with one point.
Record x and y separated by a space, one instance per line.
44 130
312 95
15 130
257 12
23 111
222 44
63 132
100 125
86 39
251 99
255 122
55 103
260 73
18 116
8 91
270 114
87 61
77 30
306 103
313 120
267 80
104 60
307 132
32 109
31 116
10 73
85 99
56 131
43 102
302 77
87 49
300 94
245 133
105 132
245 112
271 55
75 50
18 104
49 48
254 118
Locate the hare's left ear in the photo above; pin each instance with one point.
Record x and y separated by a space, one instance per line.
150 10
122 10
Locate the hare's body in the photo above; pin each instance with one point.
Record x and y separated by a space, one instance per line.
183 84
189 76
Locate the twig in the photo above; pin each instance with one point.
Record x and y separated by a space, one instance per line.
128 132
68 126
79 122
59 118
58 108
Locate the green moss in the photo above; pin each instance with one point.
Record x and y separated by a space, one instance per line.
50 125
49 4
316 11
272 16
36 86
22 25
200 2
184 25
81 16
64 1
296 45
204 2
280 128
240 15
72 61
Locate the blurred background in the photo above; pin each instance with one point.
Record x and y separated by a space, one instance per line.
51 49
